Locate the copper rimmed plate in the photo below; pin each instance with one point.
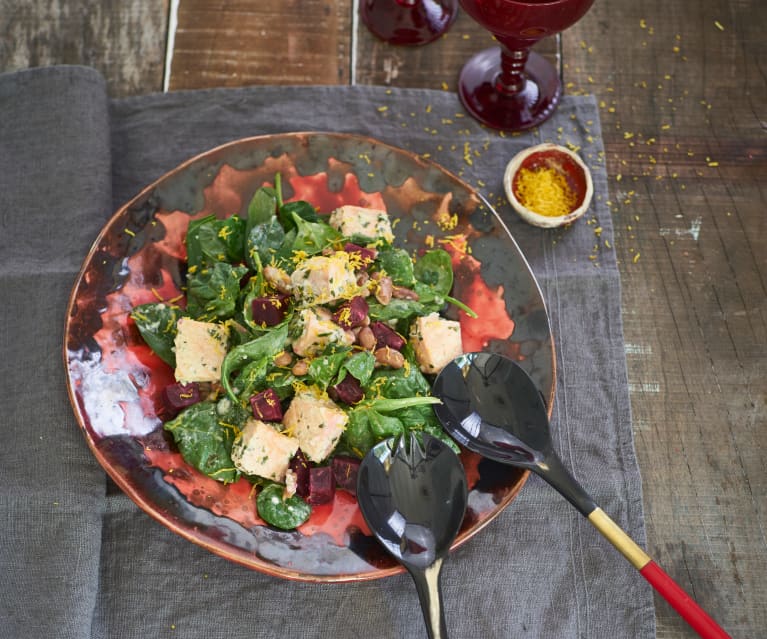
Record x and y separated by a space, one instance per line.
114 380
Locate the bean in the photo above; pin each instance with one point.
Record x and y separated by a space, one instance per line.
283 359
278 278
301 367
389 357
366 338
402 293
384 290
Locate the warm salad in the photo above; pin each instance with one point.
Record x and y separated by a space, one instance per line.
302 341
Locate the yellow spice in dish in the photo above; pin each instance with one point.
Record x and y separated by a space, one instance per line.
544 191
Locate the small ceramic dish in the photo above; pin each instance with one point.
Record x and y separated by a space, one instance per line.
566 174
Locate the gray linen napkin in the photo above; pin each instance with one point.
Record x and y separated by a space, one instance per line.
79 559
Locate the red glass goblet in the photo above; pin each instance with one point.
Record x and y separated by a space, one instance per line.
411 22
510 87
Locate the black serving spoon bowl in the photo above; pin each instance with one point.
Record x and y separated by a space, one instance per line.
414 499
492 407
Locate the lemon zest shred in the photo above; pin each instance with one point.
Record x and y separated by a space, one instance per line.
545 191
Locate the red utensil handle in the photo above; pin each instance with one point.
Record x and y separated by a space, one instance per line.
690 611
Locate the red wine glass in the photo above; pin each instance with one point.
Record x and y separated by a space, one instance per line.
411 22
510 87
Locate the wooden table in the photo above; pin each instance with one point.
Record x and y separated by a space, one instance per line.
683 99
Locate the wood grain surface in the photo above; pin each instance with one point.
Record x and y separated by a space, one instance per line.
683 100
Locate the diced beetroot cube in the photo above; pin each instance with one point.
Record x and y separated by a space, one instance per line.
270 310
352 313
322 485
386 336
266 406
348 390
345 471
177 396
367 255
300 466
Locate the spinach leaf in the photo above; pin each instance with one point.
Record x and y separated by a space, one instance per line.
261 349
281 513
251 379
262 208
204 441
263 242
302 210
210 240
399 309
407 381
358 437
366 427
378 419
212 291
386 405
434 274
435 269
253 289
312 237
323 369
435 430
398 266
360 365
281 382
157 323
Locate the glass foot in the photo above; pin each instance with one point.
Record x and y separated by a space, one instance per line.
413 22
535 103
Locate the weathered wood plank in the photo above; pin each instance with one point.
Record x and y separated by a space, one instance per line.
433 66
685 149
242 43
124 40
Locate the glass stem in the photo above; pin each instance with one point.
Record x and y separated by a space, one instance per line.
511 80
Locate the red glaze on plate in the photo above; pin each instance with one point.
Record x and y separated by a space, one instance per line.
114 380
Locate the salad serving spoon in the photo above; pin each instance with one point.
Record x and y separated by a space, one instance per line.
414 500
492 407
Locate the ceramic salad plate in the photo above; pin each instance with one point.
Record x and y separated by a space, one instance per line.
115 380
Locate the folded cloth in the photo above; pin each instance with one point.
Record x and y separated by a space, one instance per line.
80 559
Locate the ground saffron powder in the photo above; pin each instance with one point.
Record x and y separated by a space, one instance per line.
545 191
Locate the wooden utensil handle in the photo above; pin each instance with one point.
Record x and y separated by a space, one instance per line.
690 611
672 592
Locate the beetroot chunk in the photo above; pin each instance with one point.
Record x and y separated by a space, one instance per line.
352 314
348 390
300 467
367 255
387 336
177 396
345 471
322 485
270 310
266 406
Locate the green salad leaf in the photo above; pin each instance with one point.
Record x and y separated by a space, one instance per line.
263 242
212 291
259 351
262 208
398 265
205 440
157 323
312 237
210 240
302 210
323 369
283 513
